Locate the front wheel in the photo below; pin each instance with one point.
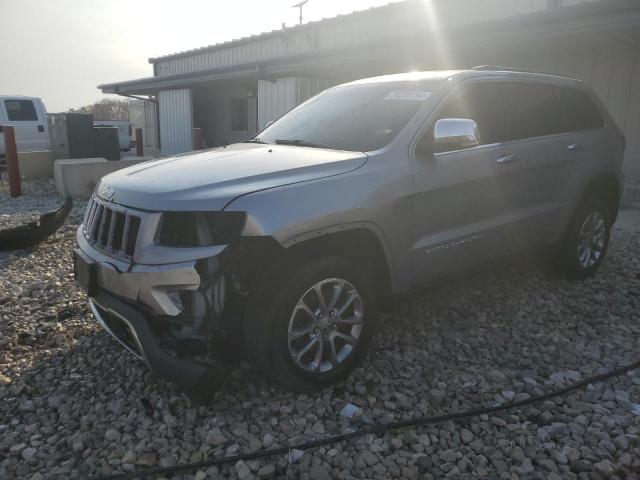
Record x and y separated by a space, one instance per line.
586 241
310 327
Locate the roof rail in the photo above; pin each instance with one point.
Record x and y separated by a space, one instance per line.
498 68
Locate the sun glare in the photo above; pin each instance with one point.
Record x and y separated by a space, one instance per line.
443 56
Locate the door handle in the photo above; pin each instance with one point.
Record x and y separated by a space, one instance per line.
41 128
574 146
507 159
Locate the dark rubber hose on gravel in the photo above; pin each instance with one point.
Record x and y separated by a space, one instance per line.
371 429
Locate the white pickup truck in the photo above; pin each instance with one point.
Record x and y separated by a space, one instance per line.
28 116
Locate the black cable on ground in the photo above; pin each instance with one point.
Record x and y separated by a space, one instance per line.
370 429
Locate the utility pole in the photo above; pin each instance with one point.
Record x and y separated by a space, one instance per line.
299 6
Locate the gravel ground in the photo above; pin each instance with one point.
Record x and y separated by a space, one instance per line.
73 404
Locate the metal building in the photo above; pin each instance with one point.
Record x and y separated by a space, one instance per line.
231 90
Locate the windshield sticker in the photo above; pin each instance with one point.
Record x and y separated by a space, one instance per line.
412 95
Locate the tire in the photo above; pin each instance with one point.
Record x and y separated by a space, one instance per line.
590 226
278 328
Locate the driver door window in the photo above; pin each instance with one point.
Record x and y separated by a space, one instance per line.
481 103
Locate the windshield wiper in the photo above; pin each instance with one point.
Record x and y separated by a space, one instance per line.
301 143
255 140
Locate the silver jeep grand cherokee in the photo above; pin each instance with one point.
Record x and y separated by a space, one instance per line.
293 241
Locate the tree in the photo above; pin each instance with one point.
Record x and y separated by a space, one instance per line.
106 109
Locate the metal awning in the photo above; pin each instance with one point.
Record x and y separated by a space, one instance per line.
152 85
268 69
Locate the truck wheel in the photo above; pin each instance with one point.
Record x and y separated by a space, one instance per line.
309 327
586 242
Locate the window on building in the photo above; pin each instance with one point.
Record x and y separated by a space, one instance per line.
239 114
20 110
580 113
532 110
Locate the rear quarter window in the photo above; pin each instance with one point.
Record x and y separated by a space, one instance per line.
580 112
20 110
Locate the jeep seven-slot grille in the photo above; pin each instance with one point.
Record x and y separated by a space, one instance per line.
111 230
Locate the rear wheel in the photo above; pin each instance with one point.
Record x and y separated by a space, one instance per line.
310 327
586 242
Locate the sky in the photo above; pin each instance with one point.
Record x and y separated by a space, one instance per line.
60 50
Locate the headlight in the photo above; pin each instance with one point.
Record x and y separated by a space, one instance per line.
199 229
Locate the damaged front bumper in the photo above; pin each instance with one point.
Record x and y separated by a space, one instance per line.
166 315
182 319
134 331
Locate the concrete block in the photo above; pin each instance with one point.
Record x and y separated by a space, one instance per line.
77 178
35 164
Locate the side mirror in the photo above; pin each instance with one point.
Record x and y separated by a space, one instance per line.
455 134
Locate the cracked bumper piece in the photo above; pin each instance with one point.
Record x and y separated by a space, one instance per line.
32 233
132 329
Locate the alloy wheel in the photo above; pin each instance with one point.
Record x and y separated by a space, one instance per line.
591 239
325 325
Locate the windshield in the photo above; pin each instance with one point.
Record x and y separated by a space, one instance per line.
359 118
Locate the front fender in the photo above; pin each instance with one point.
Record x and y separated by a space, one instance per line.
376 197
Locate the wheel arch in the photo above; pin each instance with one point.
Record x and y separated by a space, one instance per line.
605 186
360 241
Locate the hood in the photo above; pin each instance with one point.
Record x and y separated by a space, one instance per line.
211 179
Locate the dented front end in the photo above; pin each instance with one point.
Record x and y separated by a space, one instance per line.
172 295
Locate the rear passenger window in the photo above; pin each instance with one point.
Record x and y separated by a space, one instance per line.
533 110
20 110
580 113
483 104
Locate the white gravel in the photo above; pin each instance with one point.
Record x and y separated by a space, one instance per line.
73 404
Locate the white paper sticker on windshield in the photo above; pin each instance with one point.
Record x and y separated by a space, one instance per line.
414 95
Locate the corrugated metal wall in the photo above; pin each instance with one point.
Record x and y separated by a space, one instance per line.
176 121
278 97
610 66
569 3
363 27
275 99
232 55
308 87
